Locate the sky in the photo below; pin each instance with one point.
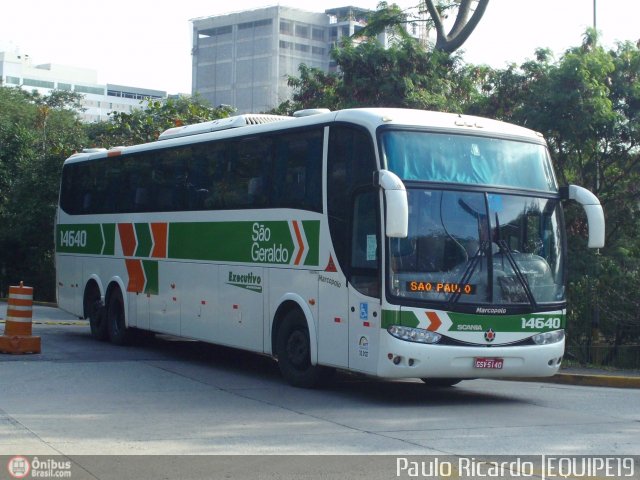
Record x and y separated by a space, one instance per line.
147 43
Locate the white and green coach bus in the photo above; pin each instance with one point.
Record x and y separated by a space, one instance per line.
394 243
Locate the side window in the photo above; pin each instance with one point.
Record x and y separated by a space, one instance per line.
246 180
351 164
365 244
298 171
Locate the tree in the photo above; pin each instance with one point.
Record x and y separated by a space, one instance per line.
146 124
467 19
406 74
392 19
587 105
36 134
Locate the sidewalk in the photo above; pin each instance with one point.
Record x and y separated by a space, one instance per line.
595 377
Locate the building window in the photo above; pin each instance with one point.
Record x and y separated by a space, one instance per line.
302 31
214 32
31 82
85 89
317 34
13 80
302 48
318 51
286 28
64 86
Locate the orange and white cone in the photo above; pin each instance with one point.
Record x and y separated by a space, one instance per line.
17 336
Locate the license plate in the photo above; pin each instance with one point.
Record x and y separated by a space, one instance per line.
492 363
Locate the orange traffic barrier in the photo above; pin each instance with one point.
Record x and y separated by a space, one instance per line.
17 336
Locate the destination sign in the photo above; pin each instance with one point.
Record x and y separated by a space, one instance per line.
441 287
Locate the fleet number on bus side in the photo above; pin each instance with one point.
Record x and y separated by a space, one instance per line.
540 323
73 238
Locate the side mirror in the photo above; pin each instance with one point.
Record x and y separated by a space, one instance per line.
396 204
593 209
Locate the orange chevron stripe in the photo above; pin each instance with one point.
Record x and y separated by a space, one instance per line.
136 276
159 233
435 321
300 243
127 239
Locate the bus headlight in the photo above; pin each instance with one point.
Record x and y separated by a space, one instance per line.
417 335
548 337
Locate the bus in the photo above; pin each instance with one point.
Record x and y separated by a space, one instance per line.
389 242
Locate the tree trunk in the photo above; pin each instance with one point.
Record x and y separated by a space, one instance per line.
463 27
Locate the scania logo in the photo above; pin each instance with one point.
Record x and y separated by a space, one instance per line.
490 335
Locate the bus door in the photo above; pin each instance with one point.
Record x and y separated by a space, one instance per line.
364 279
333 317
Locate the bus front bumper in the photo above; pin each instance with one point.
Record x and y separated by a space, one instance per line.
401 359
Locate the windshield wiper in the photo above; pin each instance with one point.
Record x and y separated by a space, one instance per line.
504 248
471 267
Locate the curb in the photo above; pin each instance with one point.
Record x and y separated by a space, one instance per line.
612 381
56 322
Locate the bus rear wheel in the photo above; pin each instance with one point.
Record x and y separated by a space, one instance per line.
94 311
294 353
441 382
119 334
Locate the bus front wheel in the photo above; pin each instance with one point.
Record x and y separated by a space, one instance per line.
294 353
119 334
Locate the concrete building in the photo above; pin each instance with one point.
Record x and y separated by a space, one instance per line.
243 59
99 100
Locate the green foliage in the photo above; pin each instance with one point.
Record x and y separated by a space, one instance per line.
587 105
36 134
146 124
405 75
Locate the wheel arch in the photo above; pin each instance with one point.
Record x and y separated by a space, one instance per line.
286 304
117 283
92 285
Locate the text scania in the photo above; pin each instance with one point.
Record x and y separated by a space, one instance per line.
73 238
269 253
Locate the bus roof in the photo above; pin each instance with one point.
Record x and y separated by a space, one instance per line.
370 118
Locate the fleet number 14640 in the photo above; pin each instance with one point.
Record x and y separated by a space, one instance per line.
73 238
540 323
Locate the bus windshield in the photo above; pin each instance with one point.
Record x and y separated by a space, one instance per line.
453 158
479 248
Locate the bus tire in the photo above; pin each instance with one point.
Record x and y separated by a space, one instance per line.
294 353
94 311
119 334
441 382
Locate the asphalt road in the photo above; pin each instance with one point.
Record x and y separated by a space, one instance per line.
175 397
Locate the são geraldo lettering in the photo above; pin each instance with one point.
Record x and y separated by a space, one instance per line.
269 253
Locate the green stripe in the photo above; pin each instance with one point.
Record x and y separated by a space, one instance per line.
79 238
143 235
109 234
312 232
506 323
396 317
150 268
269 242
247 242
